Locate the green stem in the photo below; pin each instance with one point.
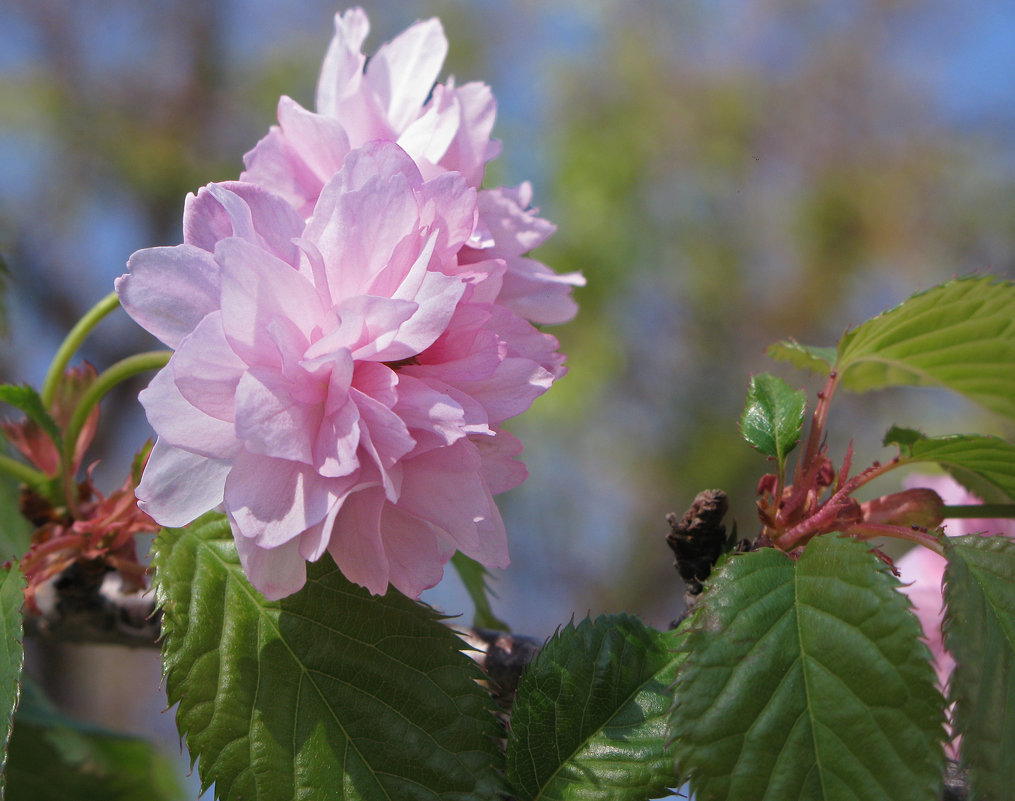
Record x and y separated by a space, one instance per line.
985 510
22 472
72 342
118 373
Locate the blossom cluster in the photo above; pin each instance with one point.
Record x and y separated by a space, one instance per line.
352 323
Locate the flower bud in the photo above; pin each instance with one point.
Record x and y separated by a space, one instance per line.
920 507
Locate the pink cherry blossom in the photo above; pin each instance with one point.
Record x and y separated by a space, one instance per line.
443 127
338 382
922 571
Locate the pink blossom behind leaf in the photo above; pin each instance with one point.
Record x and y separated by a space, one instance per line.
922 570
339 381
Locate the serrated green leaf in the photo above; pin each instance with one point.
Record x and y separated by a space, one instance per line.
55 758
959 335
979 631
805 357
330 693
473 576
589 719
807 680
12 655
984 465
27 400
773 417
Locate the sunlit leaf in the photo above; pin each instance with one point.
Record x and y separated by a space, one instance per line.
589 720
12 654
984 465
980 633
330 693
807 681
959 335
773 417
806 357
54 758
473 576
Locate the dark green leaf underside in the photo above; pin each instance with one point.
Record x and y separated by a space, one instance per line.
328 694
807 681
980 633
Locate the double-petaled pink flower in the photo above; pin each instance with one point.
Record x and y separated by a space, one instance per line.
339 377
443 127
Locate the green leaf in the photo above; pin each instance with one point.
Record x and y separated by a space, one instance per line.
979 631
15 530
330 693
54 758
807 680
27 400
473 576
589 719
773 417
12 654
959 335
805 357
984 465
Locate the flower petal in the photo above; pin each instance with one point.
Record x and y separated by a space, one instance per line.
179 486
168 291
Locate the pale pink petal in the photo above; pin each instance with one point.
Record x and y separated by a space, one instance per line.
356 544
445 487
320 141
258 288
168 291
403 71
535 292
360 234
275 165
425 409
181 424
206 371
384 436
274 572
236 208
427 138
270 422
415 556
342 70
501 470
273 500
179 486
472 147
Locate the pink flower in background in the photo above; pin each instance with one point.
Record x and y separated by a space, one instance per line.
339 381
443 127
921 570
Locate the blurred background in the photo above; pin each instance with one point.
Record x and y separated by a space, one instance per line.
725 173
